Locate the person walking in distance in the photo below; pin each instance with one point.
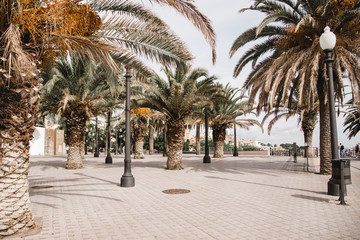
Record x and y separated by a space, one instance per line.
342 150
357 151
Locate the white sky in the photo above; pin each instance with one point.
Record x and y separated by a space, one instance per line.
228 25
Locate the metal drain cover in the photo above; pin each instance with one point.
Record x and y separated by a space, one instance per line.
41 186
176 191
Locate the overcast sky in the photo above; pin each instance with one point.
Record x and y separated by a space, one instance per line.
228 25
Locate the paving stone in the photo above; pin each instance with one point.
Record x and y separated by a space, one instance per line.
245 197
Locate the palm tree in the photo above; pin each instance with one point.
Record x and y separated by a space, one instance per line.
292 47
177 98
307 118
352 121
74 90
39 30
139 124
223 115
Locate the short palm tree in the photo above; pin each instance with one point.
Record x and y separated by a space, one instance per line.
177 97
139 119
307 117
224 114
293 50
74 90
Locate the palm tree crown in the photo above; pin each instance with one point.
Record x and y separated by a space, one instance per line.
293 48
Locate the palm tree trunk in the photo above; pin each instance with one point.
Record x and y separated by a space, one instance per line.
151 139
139 150
219 149
19 103
74 159
308 126
139 130
219 134
175 142
325 137
75 136
308 136
198 150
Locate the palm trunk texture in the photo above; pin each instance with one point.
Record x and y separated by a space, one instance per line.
175 142
139 131
19 102
75 136
308 126
139 150
151 139
198 150
325 137
219 134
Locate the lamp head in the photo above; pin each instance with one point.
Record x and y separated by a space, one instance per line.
327 39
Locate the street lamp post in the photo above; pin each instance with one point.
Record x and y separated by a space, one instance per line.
327 43
235 143
127 179
108 158
96 153
206 158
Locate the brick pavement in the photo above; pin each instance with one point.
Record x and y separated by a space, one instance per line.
246 197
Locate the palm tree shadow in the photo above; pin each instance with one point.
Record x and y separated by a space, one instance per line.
267 185
236 166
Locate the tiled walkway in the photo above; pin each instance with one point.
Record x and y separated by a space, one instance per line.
231 198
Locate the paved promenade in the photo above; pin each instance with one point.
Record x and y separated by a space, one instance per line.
246 197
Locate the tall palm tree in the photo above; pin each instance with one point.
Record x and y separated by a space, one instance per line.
74 90
39 30
224 114
179 95
293 50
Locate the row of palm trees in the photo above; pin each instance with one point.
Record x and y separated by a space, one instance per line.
34 33
118 34
78 90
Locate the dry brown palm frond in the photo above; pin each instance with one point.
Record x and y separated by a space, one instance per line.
64 102
90 47
307 20
17 64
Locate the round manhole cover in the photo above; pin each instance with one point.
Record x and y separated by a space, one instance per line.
41 186
176 191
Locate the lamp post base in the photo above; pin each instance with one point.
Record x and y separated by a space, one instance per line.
96 154
334 189
236 154
127 181
206 159
108 159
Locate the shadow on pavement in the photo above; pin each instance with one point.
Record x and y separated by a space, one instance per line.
267 185
311 198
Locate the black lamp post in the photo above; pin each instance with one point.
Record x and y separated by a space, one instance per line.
127 179
206 158
108 158
327 43
96 153
235 147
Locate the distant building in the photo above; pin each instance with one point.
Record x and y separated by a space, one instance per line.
47 141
